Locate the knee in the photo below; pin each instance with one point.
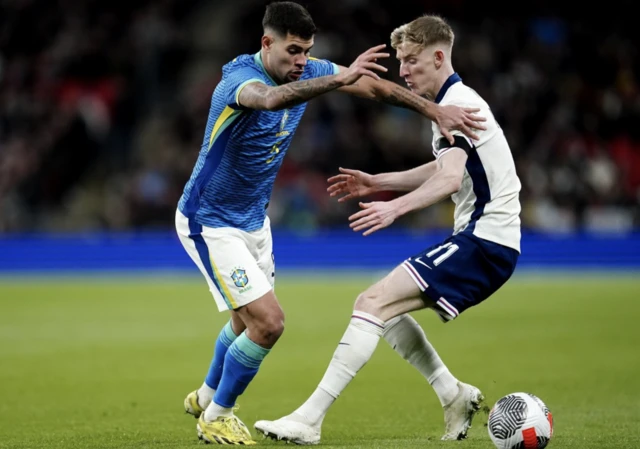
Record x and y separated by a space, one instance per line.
368 302
268 330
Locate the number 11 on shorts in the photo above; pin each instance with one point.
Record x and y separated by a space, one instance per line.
450 247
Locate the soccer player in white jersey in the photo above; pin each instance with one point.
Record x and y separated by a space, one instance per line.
449 277
222 215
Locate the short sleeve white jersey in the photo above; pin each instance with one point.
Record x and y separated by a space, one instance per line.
487 203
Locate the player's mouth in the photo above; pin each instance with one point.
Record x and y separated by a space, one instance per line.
295 75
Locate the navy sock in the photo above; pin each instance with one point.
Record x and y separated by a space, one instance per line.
241 364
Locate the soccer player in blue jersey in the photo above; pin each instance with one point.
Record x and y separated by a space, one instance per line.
221 218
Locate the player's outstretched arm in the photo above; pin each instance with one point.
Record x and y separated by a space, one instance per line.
274 98
356 183
449 118
408 180
446 181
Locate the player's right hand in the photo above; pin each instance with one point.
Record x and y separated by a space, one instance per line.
353 183
364 65
451 117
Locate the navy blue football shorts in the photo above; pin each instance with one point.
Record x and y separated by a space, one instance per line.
461 272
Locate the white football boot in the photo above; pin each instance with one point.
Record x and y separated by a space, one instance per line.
286 429
459 413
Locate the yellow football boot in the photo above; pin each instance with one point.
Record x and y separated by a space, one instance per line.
191 405
224 430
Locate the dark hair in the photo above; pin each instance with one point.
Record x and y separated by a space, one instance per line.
289 17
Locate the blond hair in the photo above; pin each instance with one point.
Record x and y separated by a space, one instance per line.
423 32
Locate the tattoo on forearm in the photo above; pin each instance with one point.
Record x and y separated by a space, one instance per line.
295 93
258 95
401 97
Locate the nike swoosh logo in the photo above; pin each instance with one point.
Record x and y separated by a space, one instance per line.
422 263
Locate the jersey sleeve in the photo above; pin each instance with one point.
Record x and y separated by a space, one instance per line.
322 67
236 80
443 146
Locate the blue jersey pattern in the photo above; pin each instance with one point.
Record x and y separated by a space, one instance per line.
242 150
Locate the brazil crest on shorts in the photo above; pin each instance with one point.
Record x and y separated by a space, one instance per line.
239 277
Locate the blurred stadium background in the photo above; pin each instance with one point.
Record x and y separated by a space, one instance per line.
102 111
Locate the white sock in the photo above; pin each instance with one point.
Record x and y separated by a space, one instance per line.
205 395
408 339
214 411
354 350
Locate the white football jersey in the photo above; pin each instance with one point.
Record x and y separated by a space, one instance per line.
487 203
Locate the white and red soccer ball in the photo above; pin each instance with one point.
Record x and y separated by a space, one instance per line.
520 421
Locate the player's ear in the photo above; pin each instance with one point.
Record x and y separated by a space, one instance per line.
267 42
438 58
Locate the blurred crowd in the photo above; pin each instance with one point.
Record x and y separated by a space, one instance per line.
103 108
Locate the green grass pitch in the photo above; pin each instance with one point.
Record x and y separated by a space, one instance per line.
106 363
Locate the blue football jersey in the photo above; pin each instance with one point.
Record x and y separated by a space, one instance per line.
242 149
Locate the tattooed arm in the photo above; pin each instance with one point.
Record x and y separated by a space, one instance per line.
260 96
448 118
393 94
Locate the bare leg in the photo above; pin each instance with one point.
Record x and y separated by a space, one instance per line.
391 296
237 324
263 319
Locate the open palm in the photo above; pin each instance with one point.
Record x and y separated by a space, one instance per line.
351 184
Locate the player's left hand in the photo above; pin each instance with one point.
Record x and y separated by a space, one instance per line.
452 117
375 216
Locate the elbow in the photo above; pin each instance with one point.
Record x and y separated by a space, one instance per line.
454 183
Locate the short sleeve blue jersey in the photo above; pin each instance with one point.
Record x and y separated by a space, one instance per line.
242 150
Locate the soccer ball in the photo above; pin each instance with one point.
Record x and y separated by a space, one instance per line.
520 421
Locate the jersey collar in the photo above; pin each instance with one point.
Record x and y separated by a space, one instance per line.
258 60
455 78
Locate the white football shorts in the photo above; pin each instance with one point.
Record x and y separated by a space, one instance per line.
238 266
